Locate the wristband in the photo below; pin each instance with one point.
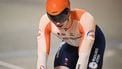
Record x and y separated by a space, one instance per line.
42 67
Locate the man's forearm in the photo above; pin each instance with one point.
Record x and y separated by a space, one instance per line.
83 61
42 61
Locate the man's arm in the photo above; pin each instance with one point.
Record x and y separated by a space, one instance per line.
87 41
43 41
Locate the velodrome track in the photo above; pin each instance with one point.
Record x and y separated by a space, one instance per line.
19 21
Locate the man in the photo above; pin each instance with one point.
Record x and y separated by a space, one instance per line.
83 42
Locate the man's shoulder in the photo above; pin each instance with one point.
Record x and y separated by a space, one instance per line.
79 10
44 17
44 21
76 13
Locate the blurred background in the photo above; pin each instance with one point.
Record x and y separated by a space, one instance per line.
19 20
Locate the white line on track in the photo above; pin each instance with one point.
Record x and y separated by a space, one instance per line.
11 66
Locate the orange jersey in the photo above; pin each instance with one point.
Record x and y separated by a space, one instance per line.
79 31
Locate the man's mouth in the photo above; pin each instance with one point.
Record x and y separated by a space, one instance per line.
59 25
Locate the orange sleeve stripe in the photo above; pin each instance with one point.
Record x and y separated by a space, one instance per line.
47 37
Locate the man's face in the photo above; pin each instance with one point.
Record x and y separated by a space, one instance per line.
60 19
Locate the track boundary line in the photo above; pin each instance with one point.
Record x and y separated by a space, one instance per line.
9 65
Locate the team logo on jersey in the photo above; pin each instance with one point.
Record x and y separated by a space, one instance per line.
66 61
58 33
72 38
71 34
62 34
91 35
65 29
93 65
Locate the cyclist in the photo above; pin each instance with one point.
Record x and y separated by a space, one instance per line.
83 42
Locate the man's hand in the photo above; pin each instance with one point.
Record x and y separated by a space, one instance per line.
42 67
82 62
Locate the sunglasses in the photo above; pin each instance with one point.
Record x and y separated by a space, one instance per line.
62 17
